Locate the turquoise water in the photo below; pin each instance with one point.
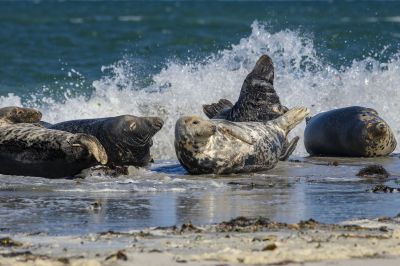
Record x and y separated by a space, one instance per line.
41 41
102 58
75 59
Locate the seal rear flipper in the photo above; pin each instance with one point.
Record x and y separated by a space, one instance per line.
265 68
291 118
213 109
93 146
288 148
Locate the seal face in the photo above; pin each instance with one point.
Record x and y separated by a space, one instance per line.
223 147
127 139
352 131
258 101
14 114
29 149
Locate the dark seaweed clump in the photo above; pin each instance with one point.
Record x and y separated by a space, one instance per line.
374 171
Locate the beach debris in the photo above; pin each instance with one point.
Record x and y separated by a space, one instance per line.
373 171
120 255
95 206
189 227
64 260
8 242
384 189
16 254
270 247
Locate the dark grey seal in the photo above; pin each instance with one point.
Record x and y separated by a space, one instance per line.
224 147
127 139
352 131
26 148
258 101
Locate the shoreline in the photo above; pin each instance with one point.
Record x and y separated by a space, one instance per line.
240 241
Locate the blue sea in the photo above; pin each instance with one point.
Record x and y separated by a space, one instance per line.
85 59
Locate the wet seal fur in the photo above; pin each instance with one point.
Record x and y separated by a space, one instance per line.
26 148
223 147
351 131
258 101
127 139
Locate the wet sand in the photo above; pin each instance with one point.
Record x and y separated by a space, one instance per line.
143 219
238 241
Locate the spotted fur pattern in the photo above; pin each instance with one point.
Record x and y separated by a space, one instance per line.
223 147
28 149
258 101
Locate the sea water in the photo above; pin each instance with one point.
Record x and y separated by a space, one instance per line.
94 59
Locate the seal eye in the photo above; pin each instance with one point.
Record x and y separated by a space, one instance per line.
195 122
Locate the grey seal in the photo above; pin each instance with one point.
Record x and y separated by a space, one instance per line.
351 131
127 139
258 101
26 148
223 147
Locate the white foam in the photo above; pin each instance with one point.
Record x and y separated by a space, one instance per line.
302 78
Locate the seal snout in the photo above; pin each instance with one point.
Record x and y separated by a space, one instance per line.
157 123
377 129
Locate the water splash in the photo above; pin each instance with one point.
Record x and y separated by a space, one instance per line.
302 78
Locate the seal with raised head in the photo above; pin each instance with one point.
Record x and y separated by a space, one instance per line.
351 131
127 139
26 148
223 147
258 101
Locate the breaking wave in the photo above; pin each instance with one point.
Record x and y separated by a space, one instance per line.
302 78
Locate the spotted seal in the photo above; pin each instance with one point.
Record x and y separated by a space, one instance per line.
351 131
223 147
258 101
126 138
26 148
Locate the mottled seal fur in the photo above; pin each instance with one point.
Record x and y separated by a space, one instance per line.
258 101
223 147
352 131
126 138
28 149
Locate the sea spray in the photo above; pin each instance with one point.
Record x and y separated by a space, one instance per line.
302 78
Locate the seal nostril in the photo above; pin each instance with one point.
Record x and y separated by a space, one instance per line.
158 123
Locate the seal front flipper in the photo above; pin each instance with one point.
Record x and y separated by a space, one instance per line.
288 148
214 109
236 132
93 146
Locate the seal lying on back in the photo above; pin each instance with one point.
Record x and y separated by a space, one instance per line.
223 147
28 149
351 131
127 139
258 101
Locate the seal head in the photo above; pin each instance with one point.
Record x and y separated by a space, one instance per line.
14 114
126 138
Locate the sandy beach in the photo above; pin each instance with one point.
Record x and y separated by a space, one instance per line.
240 241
